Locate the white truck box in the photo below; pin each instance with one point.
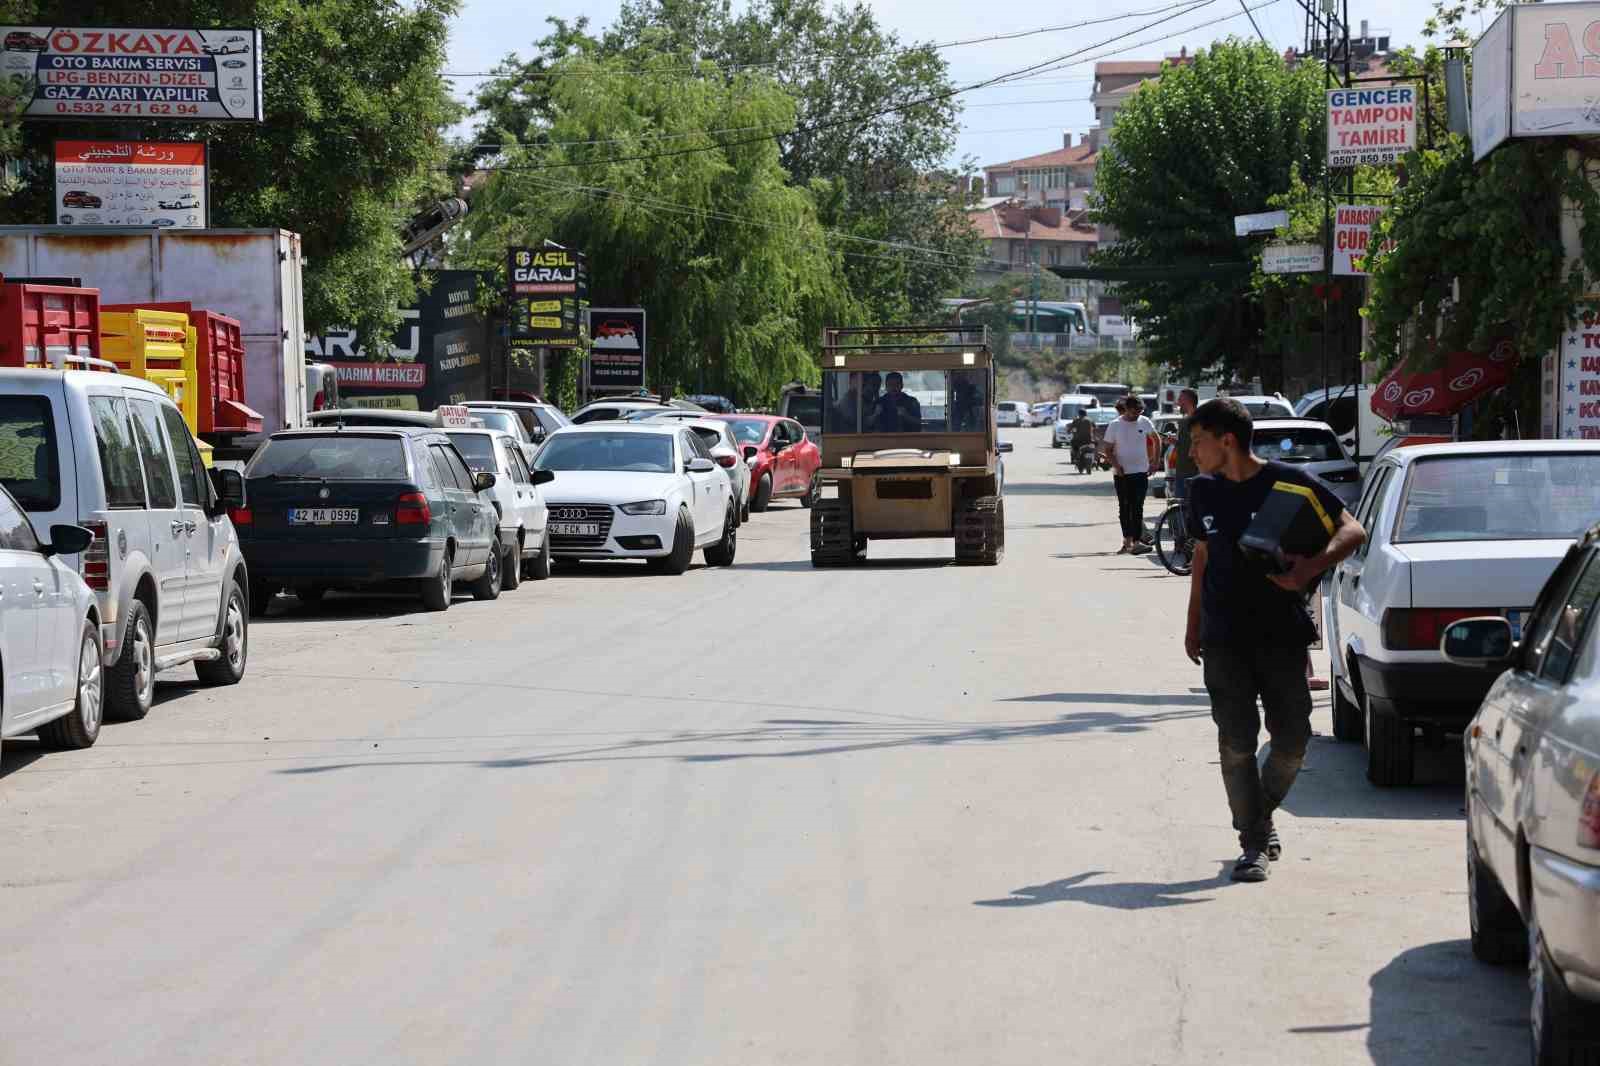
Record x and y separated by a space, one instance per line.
249 274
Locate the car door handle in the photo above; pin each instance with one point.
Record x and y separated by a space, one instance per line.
178 527
38 587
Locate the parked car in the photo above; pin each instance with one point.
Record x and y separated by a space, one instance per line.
366 507
782 457
1012 413
804 405
539 419
49 634
621 406
1044 414
111 453
524 547
637 492
1311 446
725 448
322 387
1533 802
716 404
509 423
1266 406
1453 531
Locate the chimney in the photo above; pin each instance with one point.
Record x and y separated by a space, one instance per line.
1066 138
1183 53
1363 29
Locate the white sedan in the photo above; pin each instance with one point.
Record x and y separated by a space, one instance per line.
50 653
637 492
725 448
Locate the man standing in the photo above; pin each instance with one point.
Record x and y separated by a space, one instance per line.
1129 442
1188 400
1251 630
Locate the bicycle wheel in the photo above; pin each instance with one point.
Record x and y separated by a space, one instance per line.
1174 547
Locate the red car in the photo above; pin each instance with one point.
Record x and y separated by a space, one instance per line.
79 198
614 328
785 459
22 41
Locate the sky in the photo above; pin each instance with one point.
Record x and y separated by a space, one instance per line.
1002 122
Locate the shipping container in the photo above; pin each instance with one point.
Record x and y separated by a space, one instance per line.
251 275
44 325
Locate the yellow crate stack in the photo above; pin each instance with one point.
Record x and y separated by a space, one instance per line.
158 346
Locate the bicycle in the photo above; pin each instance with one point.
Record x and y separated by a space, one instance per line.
1174 545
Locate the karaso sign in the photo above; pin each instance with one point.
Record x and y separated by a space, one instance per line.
118 73
1371 127
1352 237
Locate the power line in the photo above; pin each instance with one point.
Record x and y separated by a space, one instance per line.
733 68
1057 62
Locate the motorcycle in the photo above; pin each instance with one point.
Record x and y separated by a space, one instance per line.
1083 458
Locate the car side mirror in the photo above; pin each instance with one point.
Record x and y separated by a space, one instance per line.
750 451
700 465
543 477
67 540
1480 642
482 480
538 434
230 487
1003 447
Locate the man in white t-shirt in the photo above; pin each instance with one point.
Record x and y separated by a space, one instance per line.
1128 442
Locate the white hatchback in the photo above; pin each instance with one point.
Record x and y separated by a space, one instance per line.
1012 413
524 546
641 491
1453 531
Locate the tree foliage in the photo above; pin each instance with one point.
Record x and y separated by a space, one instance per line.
726 256
355 108
1218 137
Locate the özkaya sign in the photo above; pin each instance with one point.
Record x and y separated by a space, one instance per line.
187 75
131 183
547 290
616 347
1371 127
1352 237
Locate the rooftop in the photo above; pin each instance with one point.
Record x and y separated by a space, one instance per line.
1061 157
995 223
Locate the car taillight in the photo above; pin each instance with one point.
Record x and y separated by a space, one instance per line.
241 516
1589 816
726 460
97 557
1419 628
412 510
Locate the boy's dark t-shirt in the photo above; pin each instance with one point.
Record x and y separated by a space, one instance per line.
1239 606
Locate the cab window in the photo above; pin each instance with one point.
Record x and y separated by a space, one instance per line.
1569 622
28 465
119 456
191 469
153 454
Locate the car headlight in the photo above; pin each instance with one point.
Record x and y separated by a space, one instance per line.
645 507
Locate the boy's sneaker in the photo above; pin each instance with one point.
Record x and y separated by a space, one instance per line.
1251 866
1274 845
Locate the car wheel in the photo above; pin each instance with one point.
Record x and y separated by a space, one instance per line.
813 492
511 566
763 494
261 595
1563 1032
1347 716
1498 934
1389 743
1055 443
539 565
81 727
487 585
682 547
228 668
131 684
438 589
722 552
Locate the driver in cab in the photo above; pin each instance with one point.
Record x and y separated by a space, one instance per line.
897 411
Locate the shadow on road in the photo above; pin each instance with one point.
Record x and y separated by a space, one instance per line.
1436 1004
20 752
1334 784
1119 895
870 564
1133 698
1041 488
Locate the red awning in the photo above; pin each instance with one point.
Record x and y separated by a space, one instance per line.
1447 389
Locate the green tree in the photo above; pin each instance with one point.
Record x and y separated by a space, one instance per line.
1214 138
727 257
355 106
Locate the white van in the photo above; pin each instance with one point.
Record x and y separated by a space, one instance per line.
111 453
1348 409
1068 408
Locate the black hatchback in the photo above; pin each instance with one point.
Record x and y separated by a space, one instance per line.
366 507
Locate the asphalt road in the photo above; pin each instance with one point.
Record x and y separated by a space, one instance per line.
907 813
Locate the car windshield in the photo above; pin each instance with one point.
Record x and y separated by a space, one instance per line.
504 421
595 414
1501 497
910 401
28 452
342 457
749 430
635 451
1298 445
477 449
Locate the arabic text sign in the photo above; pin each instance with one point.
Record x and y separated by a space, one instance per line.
1352 233
131 183
1371 127
109 74
1291 258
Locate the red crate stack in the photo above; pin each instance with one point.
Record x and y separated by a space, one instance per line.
219 350
43 324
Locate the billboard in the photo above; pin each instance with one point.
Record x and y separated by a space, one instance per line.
131 183
617 344
1536 73
547 290
120 75
439 355
1352 236
1490 120
1291 259
1371 127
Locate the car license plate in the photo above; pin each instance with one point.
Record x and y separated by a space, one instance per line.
1515 618
575 529
324 516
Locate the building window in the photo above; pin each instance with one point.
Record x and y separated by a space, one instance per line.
1005 184
1055 255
